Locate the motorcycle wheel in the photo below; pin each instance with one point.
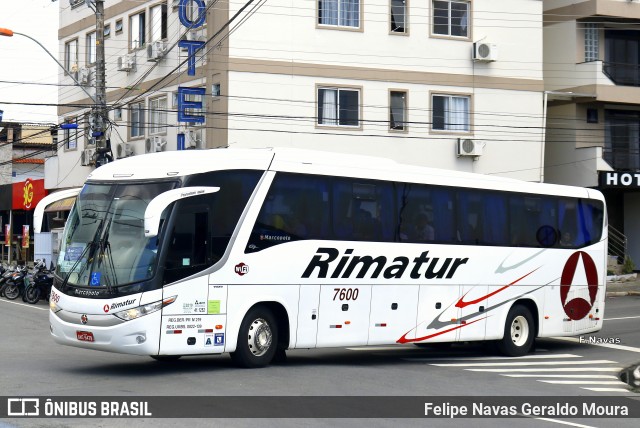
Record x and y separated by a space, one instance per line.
32 294
12 291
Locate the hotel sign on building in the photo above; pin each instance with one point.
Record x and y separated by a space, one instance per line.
618 179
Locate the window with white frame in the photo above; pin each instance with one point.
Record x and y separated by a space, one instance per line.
137 31
451 113
341 13
398 17
158 115
398 110
71 56
91 48
451 18
158 22
338 107
71 135
591 45
136 120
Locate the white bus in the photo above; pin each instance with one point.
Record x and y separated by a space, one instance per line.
253 252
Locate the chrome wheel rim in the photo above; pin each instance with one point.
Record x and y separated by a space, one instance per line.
519 330
260 337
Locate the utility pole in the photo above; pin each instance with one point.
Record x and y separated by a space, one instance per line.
99 112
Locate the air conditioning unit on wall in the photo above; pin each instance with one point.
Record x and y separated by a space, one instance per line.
468 147
125 150
126 62
87 157
156 50
485 52
194 139
155 144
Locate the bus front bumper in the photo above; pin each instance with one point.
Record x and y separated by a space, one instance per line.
138 337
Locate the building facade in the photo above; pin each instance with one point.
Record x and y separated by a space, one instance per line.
592 82
23 149
451 84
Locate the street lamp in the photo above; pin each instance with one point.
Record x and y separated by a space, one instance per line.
9 33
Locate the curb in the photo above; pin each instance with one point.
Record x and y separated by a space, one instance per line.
622 293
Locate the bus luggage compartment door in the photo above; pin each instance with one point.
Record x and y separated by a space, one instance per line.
344 315
393 313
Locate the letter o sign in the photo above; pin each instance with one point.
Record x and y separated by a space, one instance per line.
578 308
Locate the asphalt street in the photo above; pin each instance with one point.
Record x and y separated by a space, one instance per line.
33 365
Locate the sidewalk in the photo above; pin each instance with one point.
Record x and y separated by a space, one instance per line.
623 287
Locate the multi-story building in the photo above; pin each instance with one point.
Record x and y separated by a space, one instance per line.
23 148
592 79
450 84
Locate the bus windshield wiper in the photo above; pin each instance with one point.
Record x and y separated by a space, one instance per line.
105 250
90 245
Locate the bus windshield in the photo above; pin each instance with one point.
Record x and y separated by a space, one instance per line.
104 242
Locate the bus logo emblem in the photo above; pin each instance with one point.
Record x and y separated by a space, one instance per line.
578 308
106 308
84 319
242 269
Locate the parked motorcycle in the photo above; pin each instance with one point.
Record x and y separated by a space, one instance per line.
15 284
4 277
38 284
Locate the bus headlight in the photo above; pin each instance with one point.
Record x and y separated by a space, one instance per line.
53 306
133 313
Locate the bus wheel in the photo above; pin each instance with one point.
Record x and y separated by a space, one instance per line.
257 339
518 332
165 358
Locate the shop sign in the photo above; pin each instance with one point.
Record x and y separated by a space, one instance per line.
619 179
27 194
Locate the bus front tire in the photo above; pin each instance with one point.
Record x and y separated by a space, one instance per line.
257 339
519 331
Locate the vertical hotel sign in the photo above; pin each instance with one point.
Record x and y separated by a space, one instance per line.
186 96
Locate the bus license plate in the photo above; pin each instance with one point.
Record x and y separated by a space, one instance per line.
85 336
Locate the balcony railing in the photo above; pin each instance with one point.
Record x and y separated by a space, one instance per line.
628 160
622 74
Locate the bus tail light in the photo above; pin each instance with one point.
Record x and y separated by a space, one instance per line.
133 313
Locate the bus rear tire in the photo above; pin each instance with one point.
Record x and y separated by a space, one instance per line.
519 331
257 339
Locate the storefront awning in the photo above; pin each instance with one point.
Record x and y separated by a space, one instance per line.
61 205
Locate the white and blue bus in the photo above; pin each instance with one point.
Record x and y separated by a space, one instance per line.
254 252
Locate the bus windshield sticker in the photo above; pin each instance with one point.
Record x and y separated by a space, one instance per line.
95 279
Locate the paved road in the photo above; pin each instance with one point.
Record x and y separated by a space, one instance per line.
33 365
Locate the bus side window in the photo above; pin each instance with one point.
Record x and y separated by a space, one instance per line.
580 222
295 208
469 217
363 210
568 223
495 219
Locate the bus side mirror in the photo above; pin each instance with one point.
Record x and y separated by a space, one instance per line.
38 213
159 203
